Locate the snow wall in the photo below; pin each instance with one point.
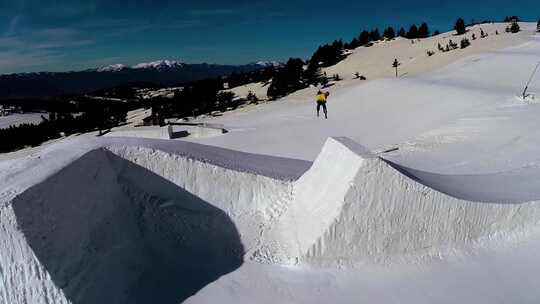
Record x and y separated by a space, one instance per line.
384 213
135 224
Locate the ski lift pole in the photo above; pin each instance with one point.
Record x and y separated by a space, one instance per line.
530 79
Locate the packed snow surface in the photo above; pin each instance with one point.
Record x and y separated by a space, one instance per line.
18 119
462 118
290 208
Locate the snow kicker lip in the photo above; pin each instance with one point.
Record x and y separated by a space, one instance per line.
362 208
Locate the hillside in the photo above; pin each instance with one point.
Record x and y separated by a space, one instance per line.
418 189
53 84
376 61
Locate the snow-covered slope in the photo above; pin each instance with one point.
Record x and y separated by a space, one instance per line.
453 215
376 62
18 119
260 89
180 215
455 106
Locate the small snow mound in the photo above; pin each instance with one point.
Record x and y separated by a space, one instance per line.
528 99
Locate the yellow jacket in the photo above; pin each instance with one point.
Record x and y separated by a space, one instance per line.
321 97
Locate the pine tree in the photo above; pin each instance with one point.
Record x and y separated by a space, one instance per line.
389 33
436 33
364 38
538 26
483 34
354 43
402 33
514 28
375 35
327 55
252 98
413 32
464 43
460 26
423 31
288 79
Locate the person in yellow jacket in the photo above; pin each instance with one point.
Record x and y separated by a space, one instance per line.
322 98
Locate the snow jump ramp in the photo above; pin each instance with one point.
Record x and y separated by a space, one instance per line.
131 221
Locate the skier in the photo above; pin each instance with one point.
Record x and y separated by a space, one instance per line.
322 97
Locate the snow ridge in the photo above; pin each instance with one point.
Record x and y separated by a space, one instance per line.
160 65
269 63
112 68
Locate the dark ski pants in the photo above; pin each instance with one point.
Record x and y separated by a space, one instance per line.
323 105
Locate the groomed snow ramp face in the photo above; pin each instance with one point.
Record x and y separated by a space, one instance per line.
134 221
353 208
106 230
318 200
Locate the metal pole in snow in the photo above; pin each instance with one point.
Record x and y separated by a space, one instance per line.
530 79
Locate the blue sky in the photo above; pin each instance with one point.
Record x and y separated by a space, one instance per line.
61 35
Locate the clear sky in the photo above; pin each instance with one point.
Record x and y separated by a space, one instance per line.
60 35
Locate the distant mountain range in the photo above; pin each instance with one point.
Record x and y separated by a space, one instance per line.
163 72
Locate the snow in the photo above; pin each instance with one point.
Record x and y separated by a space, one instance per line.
168 132
152 93
142 132
454 107
18 119
136 117
290 208
112 68
269 63
260 89
376 62
160 64
348 213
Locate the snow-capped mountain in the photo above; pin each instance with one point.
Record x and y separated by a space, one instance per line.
154 65
160 65
269 63
161 72
112 68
